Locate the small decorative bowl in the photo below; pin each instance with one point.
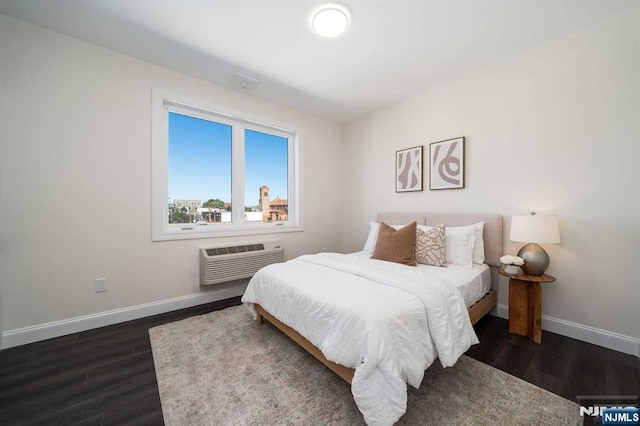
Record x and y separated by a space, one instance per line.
511 269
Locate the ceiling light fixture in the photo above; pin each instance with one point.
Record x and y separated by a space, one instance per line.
330 20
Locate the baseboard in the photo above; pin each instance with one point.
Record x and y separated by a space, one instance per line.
36 333
604 338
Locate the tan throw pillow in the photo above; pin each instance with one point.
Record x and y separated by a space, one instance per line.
396 245
431 246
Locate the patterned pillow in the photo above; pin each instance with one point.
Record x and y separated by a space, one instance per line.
431 246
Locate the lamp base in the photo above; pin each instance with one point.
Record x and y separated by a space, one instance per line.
536 259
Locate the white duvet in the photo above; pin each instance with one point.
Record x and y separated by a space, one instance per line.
388 321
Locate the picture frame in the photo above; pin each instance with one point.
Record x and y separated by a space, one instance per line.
409 169
446 164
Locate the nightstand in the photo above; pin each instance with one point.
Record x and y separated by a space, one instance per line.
525 304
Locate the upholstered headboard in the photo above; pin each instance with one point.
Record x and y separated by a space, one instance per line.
492 227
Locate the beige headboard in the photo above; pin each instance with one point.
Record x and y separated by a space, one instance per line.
492 227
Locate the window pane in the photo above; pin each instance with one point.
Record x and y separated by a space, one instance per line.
266 177
199 170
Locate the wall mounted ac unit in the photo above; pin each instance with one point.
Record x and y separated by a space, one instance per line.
230 261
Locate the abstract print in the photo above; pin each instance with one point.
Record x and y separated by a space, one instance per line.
409 169
447 164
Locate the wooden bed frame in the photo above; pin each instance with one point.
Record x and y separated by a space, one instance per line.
493 250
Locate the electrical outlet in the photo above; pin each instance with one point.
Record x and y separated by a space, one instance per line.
101 285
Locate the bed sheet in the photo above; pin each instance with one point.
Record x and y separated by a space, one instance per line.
473 283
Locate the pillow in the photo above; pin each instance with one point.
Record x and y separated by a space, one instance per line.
459 242
396 245
370 244
478 248
430 246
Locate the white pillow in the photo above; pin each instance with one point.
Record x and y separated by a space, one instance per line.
370 244
478 248
460 242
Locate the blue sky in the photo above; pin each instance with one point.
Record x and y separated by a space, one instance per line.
200 161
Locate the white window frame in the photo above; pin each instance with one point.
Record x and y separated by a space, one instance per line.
163 102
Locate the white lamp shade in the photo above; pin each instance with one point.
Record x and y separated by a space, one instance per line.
533 228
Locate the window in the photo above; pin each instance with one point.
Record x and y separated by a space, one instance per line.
220 173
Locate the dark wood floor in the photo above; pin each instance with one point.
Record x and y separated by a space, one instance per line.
106 376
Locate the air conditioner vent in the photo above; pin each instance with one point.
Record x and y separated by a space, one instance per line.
234 249
233 262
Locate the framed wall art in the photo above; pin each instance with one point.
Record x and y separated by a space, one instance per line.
446 161
409 169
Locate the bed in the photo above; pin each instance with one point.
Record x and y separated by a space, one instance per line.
376 324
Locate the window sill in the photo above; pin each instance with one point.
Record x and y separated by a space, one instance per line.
206 231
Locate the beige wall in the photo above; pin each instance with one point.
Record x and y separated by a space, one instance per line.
76 178
555 130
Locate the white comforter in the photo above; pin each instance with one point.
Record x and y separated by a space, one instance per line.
388 321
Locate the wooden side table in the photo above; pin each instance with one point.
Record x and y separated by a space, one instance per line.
525 304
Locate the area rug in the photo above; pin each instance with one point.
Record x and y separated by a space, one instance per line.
223 369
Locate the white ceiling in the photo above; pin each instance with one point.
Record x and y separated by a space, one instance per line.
393 49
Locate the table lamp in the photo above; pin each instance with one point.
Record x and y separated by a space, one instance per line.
534 229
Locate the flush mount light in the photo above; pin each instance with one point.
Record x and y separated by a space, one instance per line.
330 20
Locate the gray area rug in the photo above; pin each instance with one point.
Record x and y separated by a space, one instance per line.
223 369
